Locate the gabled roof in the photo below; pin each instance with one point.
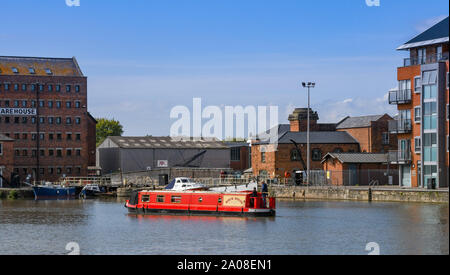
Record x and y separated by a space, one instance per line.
166 143
42 66
438 33
279 130
5 138
315 138
357 157
358 122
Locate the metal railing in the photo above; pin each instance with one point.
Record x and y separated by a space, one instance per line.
400 126
429 59
399 157
83 181
400 96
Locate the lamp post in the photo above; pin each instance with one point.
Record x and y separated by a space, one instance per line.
308 85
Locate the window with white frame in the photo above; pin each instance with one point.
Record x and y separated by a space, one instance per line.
417 144
417 84
417 114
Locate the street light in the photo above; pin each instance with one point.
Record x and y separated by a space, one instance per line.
308 85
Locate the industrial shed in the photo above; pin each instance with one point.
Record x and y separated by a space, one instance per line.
135 154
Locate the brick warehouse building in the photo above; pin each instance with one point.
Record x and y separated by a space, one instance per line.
422 99
43 107
372 132
6 159
285 159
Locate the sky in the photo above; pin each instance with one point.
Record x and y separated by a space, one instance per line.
144 57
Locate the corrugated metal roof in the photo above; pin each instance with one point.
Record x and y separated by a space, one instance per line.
438 33
358 122
358 157
315 138
41 66
167 143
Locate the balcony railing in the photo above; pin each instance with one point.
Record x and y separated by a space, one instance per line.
429 59
400 126
400 96
399 157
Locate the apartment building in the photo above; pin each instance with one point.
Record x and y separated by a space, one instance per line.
43 108
422 98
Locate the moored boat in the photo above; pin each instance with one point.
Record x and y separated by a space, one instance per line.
201 203
54 192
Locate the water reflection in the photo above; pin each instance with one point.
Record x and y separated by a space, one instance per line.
300 227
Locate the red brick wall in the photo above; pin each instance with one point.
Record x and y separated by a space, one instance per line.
243 164
279 162
87 138
7 158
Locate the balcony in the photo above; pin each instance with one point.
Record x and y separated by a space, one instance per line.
399 157
429 59
400 126
400 97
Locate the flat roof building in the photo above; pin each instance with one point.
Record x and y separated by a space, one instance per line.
422 99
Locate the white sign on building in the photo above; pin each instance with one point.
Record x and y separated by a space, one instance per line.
17 112
163 163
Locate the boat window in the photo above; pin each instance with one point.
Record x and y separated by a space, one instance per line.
145 198
185 180
184 185
220 200
160 198
176 199
200 199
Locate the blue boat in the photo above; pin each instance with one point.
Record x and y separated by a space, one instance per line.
54 192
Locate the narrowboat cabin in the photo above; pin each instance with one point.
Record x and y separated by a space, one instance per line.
201 203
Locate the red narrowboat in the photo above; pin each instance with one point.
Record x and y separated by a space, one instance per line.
201 203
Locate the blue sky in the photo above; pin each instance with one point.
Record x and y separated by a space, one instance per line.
143 57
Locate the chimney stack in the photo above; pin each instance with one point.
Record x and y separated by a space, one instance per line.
299 120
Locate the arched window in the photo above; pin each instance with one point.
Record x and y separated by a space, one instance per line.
338 150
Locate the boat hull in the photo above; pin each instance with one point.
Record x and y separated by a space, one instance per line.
42 192
149 211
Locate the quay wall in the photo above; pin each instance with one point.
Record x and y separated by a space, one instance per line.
361 194
22 193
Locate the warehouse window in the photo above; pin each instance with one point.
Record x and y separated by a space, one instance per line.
48 71
1 149
15 70
31 70
385 138
235 154
263 157
316 155
295 155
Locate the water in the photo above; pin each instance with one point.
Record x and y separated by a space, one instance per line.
311 227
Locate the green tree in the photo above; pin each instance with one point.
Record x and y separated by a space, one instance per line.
107 128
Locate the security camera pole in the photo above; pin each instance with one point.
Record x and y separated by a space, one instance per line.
308 85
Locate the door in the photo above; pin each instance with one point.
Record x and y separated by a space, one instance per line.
406 175
353 176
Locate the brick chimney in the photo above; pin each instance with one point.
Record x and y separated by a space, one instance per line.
299 120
